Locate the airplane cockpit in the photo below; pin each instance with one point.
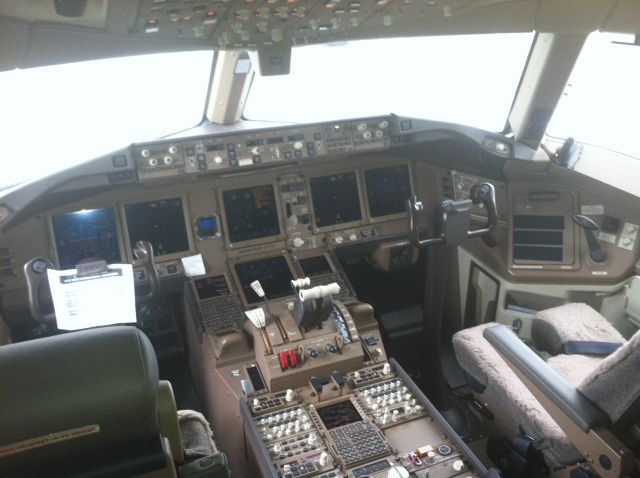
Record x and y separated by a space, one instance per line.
332 239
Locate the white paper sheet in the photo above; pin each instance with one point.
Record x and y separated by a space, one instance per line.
94 300
193 265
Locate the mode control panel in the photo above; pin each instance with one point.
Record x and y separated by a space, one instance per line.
253 148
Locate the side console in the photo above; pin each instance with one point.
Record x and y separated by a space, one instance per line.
371 422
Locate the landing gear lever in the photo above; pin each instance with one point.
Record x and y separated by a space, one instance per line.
589 226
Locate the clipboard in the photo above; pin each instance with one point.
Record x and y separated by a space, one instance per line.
93 295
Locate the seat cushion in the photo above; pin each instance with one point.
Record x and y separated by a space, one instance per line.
509 399
574 368
551 328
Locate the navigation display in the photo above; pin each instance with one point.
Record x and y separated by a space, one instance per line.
161 223
273 273
251 213
338 414
335 199
83 234
387 190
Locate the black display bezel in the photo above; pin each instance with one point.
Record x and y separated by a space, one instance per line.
254 241
55 238
379 217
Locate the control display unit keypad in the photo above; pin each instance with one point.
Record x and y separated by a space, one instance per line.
358 442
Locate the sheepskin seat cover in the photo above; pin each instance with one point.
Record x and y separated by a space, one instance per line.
594 376
509 399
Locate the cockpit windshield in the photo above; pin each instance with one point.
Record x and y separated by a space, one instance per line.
600 103
74 112
466 79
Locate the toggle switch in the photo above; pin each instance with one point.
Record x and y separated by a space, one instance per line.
324 459
316 385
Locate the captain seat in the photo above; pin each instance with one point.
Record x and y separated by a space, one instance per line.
89 403
587 367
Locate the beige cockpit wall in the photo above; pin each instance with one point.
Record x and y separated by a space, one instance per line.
549 264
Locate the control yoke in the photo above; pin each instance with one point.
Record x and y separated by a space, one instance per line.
453 218
35 271
144 253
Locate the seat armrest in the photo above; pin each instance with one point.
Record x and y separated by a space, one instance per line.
522 359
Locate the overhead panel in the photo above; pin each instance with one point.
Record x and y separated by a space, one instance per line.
257 23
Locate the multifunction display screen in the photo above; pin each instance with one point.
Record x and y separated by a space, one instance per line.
313 266
251 213
161 223
339 414
86 234
213 286
335 199
387 190
273 273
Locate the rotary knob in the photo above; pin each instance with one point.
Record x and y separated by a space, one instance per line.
153 162
173 149
145 153
366 135
338 239
217 160
298 242
298 145
352 237
168 160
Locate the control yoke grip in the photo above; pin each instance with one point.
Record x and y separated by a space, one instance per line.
143 252
35 272
483 193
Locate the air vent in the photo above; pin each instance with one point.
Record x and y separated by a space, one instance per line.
7 263
538 238
446 186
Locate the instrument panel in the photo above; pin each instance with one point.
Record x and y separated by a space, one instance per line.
227 218
342 205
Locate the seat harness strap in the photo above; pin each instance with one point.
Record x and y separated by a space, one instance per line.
589 347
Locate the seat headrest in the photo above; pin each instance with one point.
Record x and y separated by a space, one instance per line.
76 393
613 385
